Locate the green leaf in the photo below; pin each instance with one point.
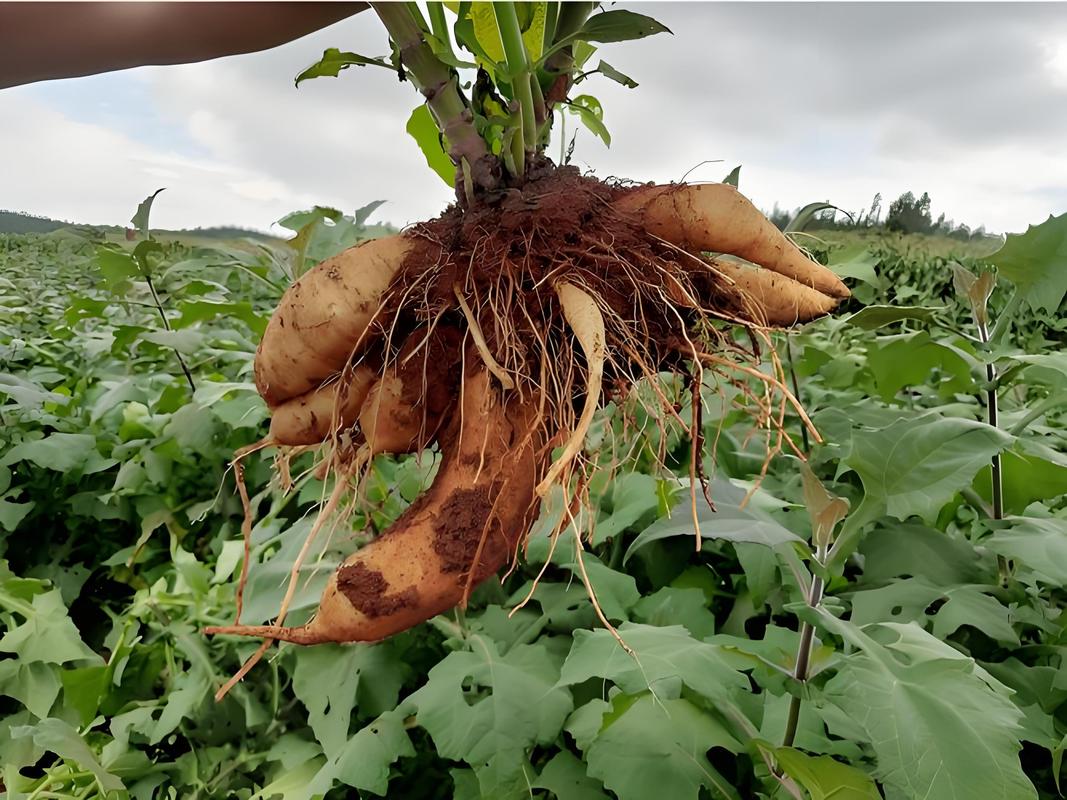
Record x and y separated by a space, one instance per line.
193 311
27 394
908 601
1040 544
586 721
334 681
144 209
486 31
908 549
184 341
47 633
333 61
292 783
939 725
425 133
618 26
616 592
608 71
908 359
117 267
507 776
825 778
364 761
11 514
83 689
915 465
729 521
477 703
856 262
806 215
1036 262
733 177
591 113
633 498
188 693
363 213
1025 477
532 17
34 684
672 605
657 748
664 659
566 777
873 317
58 737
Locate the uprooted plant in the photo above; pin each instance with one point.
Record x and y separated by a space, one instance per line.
495 331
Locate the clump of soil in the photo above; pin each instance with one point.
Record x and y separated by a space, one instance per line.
504 255
368 591
459 528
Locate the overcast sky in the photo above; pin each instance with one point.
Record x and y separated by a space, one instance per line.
820 101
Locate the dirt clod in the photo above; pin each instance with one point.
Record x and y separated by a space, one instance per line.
460 527
368 591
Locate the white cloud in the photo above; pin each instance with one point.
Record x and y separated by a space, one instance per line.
88 173
817 102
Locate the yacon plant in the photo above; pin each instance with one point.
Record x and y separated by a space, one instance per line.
495 331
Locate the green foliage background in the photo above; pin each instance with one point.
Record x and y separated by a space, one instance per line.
938 665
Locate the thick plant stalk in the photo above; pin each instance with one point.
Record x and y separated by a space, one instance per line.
439 86
572 16
515 53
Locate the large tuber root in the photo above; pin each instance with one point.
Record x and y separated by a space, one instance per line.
406 407
772 299
717 218
465 527
323 318
309 418
493 311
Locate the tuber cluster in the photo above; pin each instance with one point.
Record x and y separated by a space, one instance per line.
494 334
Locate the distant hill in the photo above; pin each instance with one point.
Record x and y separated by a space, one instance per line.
20 222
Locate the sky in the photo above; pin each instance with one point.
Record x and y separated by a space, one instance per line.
816 101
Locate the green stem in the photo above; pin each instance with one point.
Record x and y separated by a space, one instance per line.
561 63
803 665
1047 404
541 117
166 325
519 74
438 84
972 497
993 412
1006 317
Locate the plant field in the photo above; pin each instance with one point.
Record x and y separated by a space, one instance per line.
936 661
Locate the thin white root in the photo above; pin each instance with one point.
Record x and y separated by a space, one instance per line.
479 341
582 314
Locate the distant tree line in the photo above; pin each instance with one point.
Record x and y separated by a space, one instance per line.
906 214
21 222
